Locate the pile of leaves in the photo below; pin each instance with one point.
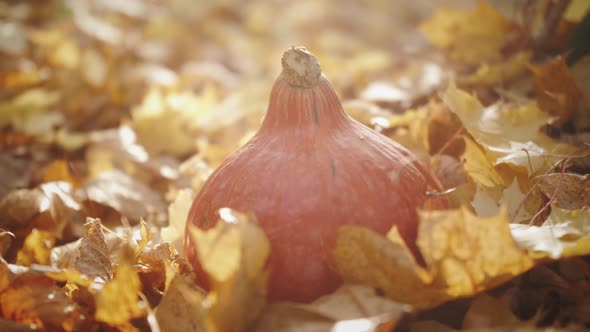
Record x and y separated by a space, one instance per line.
114 113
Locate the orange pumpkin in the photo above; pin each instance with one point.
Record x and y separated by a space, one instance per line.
310 169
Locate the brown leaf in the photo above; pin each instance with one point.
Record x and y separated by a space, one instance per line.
557 92
92 258
15 173
126 195
64 210
181 308
19 207
571 191
11 326
29 297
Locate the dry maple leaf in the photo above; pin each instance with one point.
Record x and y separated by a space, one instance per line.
464 255
182 308
234 255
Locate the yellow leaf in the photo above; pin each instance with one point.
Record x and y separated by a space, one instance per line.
178 213
37 248
165 122
181 308
118 302
470 36
464 255
509 132
234 255
478 166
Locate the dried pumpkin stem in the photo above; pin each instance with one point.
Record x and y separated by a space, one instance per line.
300 67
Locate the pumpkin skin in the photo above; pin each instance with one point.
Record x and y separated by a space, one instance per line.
309 170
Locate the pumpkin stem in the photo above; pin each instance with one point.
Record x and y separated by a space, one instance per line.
300 67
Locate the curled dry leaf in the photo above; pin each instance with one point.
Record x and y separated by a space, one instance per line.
350 308
570 191
464 255
469 36
92 258
233 254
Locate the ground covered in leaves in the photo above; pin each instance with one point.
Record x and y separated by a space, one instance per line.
114 113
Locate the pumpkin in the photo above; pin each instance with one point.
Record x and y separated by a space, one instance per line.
309 170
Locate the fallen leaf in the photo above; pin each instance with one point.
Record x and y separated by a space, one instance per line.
16 173
118 148
36 248
498 73
469 36
178 213
164 121
126 195
182 308
557 92
92 257
570 191
118 301
29 297
479 167
563 234
350 308
19 207
233 254
509 132
28 112
464 255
